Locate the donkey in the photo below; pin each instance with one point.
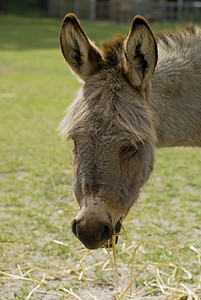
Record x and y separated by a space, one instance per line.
142 92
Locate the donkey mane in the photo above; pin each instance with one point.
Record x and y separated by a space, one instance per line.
112 49
178 36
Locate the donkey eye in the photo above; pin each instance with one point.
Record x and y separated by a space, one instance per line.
129 150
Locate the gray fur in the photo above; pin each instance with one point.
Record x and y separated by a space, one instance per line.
116 125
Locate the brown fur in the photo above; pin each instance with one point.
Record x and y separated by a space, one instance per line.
112 50
126 108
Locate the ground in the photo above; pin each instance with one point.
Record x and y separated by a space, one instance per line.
39 256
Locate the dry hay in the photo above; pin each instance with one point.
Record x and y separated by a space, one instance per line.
160 281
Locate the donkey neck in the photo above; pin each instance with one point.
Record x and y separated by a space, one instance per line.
176 97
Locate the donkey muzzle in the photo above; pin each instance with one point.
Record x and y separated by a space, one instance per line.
92 233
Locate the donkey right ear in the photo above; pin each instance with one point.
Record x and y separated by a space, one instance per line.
140 52
81 55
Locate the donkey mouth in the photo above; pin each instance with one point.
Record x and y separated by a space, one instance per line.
108 243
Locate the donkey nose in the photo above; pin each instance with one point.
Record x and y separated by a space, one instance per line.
91 233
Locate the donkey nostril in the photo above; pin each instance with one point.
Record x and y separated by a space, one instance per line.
73 227
106 233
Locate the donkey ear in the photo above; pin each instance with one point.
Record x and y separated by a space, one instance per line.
140 52
81 55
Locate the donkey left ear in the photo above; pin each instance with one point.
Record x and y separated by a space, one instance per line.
81 55
140 52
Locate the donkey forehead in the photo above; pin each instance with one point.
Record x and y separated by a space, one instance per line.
110 130
110 123
97 139
107 108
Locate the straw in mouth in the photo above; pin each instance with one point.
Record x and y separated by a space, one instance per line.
108 243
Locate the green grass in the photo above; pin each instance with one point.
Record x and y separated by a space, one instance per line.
36 202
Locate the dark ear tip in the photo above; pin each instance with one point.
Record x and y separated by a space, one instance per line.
70 18
138 20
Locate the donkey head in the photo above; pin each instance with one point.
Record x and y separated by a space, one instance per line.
111 125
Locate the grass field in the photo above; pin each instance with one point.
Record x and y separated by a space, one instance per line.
39 257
